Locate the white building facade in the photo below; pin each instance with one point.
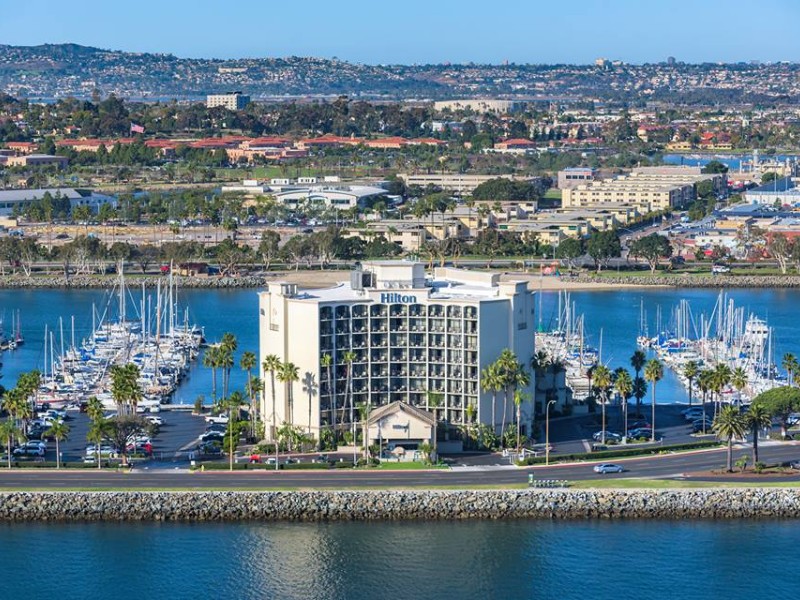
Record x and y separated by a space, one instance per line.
393 334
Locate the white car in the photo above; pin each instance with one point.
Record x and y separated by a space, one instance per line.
222 419
608 468
155 420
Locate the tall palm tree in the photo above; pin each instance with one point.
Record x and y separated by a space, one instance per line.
690 371
739 382
623 384
729 424
491 381
653 372
271 365
246 363
9 432
327 363
211 360
94 408
519 398
639 392
638 360
125 387
225 362
99 431
757 418
602 381
59 431
435 400
705 381
720 380
789 363
287 375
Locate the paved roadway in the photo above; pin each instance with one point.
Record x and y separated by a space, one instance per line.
667 466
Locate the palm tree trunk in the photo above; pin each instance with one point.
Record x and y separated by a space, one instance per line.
755 443
603 418
503 424
653 415
494 412
730 454
58 455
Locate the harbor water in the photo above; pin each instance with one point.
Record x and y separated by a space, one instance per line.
617 313
481 559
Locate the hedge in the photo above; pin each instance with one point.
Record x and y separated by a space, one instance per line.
621 453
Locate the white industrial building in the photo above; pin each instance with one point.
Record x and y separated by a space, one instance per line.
408 334
11 199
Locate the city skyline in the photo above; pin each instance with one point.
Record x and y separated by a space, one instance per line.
447 32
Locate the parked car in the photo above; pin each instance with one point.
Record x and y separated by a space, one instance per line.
610 436
608 468
32 448
217 427
106 451
699 425
639 425
694 415
211 436
223 419
154 420
640 433
210 449
795 464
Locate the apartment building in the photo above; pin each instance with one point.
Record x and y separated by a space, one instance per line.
394 334
231 100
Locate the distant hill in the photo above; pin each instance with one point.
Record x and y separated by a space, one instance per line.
60 70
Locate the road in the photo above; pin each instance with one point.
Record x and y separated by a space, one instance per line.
666 466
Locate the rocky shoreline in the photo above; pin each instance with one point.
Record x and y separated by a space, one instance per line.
315 506
691 281
79 282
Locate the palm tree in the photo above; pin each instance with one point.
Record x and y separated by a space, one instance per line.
789 363
59 431
519 398
729 424
246 363
602 381
623 384
721 378
94 408
653 372
287 375
225 362
638 360
491 381
705 381
271 365
211 360
233 404
98 432
327 363
690 371
757 418
229 344
435 400
9 432
739 382
125 387
639 392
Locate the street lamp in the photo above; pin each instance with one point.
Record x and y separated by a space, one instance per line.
547 432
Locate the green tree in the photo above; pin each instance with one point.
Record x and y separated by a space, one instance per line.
211 360
246 362
653 372
125 387
623 384
602 247
287 375
9 432
652 248
690 372
756 419
271 365
739 382
570 250
492 381
326 361
729 425
714 167
780 402
602 382
99 431
59 431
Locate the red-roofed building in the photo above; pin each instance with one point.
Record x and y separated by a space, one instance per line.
425 142
515 144
92 145
23 147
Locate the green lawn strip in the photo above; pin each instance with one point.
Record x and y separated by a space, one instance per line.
622 453
673 484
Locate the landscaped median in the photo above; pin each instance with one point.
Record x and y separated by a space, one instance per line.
621 452
350 505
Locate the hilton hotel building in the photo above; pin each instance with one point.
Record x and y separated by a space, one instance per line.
408 334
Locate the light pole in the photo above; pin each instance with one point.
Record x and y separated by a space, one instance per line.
547 432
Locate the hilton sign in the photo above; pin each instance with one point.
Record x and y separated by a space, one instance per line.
389 297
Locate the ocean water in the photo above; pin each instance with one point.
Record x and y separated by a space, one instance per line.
615 312
503 560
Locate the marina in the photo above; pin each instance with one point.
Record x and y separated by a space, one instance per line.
150 332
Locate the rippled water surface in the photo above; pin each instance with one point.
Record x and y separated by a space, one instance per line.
514 559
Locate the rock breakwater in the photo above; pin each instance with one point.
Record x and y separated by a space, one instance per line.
737 503
691 281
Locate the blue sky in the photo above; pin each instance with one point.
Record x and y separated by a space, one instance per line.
420 31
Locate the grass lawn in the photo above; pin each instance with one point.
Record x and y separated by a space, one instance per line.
408 466
655 484
553 194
